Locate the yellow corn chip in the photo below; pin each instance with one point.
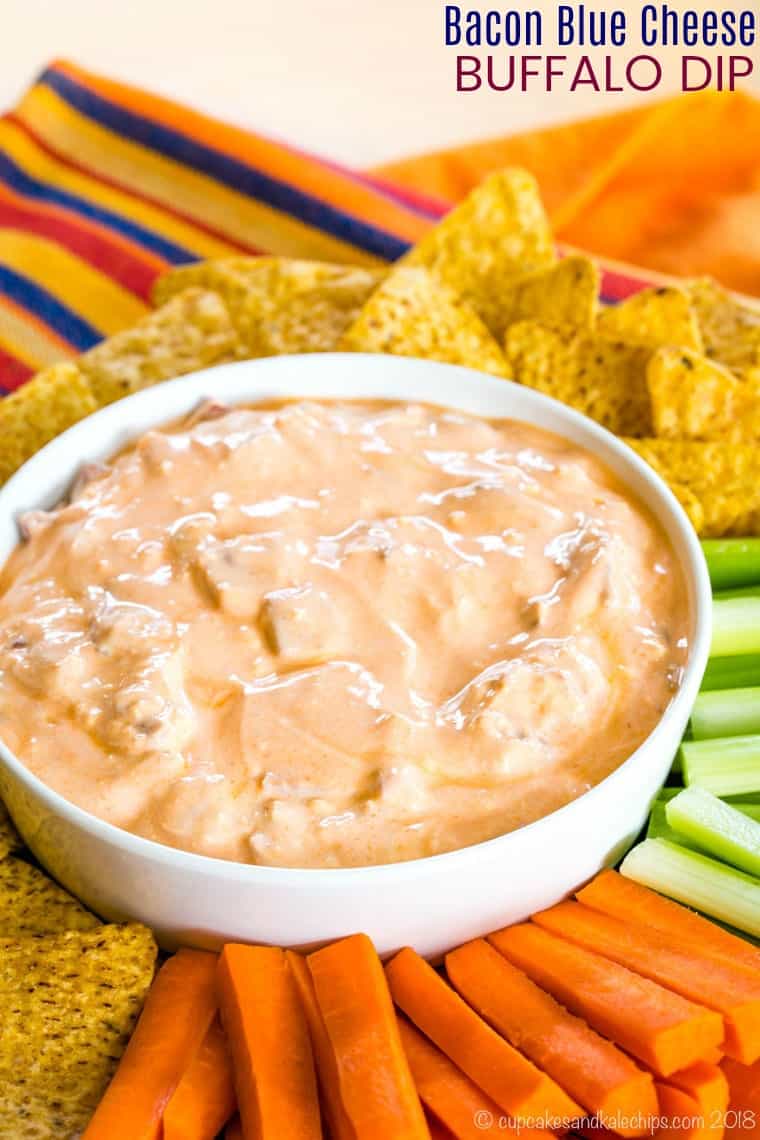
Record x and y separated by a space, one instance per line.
498 233
10 840
412 314
31 903
40 410
730 325
602 378
279 305
654 317
190 332
69 1002
717 483
695 398
564 296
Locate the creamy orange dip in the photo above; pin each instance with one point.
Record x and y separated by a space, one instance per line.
335 634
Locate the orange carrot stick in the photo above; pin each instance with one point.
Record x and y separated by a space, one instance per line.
708 1086
376 1085
590 1068
328 1075
204 1099
732 991
178 1010
685 1116
269 1042
743 1118
667 1033
615 895
517 1086
234 1130
451 1096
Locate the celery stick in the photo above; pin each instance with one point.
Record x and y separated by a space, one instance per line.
736 627
696 880
739 592
659 828
731 672
732 561
727 766
717 828
730 712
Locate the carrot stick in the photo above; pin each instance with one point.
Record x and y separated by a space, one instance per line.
743 1118
613 894
234 1130
376 1085
437 1130
451 1096
269 1043
517 1086
685 1114
709 1087
731 990
590 1068
178 1010
667 1033
204 1099
328 1076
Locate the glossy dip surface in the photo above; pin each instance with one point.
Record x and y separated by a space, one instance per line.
337 633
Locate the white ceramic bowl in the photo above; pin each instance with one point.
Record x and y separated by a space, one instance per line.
431 903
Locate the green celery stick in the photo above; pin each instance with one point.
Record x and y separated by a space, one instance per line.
698 881
736 627
716 827
732 561
739 592
659 828
729 712
732 672
727 766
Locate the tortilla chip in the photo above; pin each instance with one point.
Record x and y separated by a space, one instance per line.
10 840
280 306
191 332
694 398
69 1002
565 296
499 233
730 325
412 314
32 903
653 317
717 483
40 410
602 378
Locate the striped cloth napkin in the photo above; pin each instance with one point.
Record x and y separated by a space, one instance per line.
103 187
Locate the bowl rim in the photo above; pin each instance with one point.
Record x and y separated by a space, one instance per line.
120 418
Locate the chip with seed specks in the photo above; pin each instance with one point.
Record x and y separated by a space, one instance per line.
192 331
40 410
718 484
278 305
10 840
498 233
564 296
69 1002
604 379
730 325
653 317
413 314
695 398
32 903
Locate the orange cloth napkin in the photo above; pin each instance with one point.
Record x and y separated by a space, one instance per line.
672 186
